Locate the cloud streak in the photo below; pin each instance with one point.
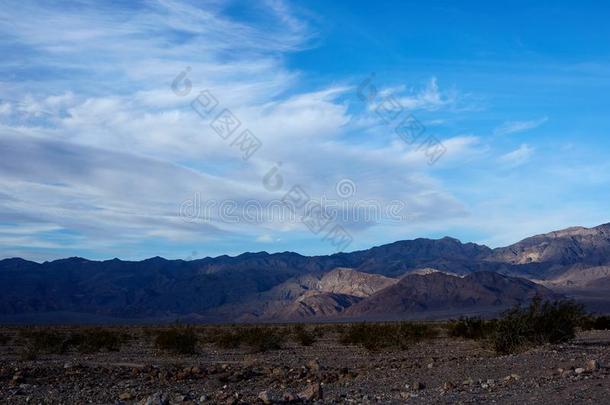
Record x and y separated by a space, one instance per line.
99 154
513 127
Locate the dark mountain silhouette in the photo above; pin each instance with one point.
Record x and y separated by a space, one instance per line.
216 288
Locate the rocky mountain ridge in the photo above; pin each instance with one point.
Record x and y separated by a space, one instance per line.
255 286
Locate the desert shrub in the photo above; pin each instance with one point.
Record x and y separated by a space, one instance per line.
44 341
319 331
56 342
227 340
383 336
303 336
471 328
540 323
97 339
596 323
263 339
177 339
259 339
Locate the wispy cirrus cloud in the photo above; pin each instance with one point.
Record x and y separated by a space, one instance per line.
513 127
101 152
518 157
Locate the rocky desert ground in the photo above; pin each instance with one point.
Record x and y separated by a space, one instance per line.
440 369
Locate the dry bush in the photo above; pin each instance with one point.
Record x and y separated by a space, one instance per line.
94 340
596 323
302 336
379 336
49 341
540 323
4 339
177 339
471 328
257 338
44 341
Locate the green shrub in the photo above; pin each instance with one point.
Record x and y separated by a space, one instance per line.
383 336
540 323
303 336
177 339
471 328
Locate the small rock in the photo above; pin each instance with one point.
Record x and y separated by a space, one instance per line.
417 386
579 370
125 396
592 365
448 386
314 366
468 381
312 392
158 398
264 397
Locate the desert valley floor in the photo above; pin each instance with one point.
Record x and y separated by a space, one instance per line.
438 370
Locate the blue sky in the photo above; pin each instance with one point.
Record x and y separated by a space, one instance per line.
101 158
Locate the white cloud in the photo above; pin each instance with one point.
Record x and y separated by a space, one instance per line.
513 127
109 154
265 238
518 157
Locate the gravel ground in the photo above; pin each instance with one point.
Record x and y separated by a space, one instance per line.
441 370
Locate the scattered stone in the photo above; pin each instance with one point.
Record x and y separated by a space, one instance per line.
314 366
289 397
312 392
468 381
592 365
448 386
264 397
126 396
17 378
579 370
158 398
417 386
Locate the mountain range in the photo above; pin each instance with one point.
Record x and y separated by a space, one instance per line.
421 278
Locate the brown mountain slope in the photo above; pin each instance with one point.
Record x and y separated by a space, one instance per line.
315 305
442 292
310 295
550 255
